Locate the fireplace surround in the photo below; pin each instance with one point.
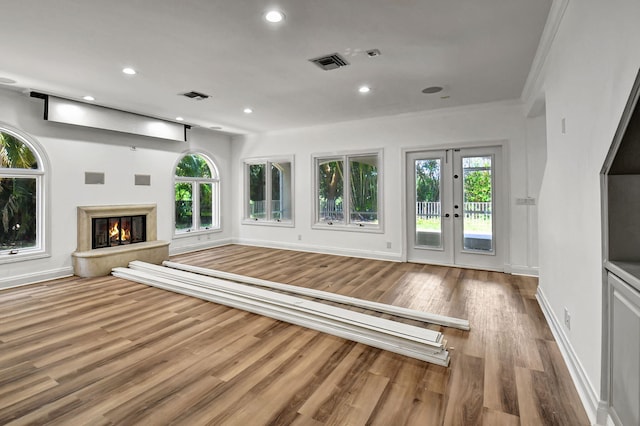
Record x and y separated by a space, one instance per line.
96 254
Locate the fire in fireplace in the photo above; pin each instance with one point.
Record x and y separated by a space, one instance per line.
116 231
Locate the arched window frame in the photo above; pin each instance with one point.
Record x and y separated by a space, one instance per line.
42 245
214 180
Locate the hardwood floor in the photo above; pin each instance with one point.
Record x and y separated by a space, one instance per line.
108 351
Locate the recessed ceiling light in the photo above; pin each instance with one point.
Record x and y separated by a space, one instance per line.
179 118
248 110
129 71
274 16
364 89
432 90
88 98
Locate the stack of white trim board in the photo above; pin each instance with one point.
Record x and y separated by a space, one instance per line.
251 294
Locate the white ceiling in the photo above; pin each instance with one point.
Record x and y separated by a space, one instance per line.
479 50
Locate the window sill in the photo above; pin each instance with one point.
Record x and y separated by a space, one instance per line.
187 234
23 256
349 228
282 224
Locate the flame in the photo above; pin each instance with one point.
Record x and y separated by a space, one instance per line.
114 231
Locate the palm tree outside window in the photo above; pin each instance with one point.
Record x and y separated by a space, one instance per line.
21 197
197 187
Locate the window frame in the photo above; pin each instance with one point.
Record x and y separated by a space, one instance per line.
214 180
268 163
42 247
347 224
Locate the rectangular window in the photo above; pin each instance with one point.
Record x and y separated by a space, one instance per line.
257 191
330 190
348 190
206 205
269 191
184 201
363 172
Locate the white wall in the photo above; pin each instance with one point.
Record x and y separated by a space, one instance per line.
591 67
73 150
482 124
536 150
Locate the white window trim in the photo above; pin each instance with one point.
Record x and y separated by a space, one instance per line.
347 225
43 233
216 225
267 161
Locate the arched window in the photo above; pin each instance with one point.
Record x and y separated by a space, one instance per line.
197 194
21 197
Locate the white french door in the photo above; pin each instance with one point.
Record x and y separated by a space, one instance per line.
454 207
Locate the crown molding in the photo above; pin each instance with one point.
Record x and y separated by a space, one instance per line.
533 86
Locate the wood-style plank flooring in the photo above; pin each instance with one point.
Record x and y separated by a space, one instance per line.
107 351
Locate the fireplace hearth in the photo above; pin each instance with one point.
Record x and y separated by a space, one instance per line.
116 231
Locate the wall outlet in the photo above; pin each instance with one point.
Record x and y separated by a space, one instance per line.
567 318
388 244
299 237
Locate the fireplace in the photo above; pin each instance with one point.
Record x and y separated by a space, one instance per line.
119 230
114 235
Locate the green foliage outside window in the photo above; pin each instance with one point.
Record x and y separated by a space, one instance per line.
194 194
477 187
18 198
364 190
193 165
428 180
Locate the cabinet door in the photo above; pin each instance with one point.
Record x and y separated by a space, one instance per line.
625 351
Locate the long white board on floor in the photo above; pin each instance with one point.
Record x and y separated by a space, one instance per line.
423 344
328 296
398 329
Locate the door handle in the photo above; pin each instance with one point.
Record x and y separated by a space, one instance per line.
447 215
456 215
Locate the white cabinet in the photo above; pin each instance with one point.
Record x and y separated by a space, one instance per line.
624 335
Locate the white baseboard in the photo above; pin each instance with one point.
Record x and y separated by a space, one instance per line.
36 277
365 254
529 271
200 245
586 391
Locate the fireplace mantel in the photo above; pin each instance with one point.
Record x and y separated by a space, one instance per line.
99 262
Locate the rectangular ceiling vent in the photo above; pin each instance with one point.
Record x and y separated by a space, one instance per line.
330 62
195 95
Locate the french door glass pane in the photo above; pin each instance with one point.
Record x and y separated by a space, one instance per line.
330 190
477 203
364 189
257 189
428 203
206 205
18 224
184 206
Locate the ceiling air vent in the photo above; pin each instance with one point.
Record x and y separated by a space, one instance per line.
330 62
195 95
